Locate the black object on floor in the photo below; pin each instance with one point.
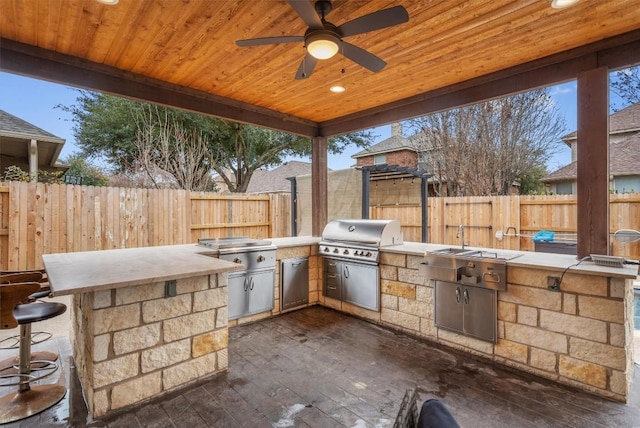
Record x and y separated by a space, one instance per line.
434 414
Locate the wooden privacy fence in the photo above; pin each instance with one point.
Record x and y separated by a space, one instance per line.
522 216
38 218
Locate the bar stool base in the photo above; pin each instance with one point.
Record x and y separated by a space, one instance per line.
20 405
40 359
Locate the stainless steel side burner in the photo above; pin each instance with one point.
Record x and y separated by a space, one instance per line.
236 244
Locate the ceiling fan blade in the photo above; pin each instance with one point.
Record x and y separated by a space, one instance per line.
269 40
306 67
362 57
375 21
307 12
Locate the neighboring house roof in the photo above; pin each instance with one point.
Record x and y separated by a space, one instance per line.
395 143
275 180
624 159
625 120
391 144
12 126
16 134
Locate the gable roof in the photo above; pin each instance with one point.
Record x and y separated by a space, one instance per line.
396 143
15 137
275 180
392 144
624 159
13 126
625 120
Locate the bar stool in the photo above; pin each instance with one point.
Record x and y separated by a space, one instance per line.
28 400
13 342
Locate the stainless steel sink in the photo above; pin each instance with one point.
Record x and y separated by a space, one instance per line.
454 251
480 254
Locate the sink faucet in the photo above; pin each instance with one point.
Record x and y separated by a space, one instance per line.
460 234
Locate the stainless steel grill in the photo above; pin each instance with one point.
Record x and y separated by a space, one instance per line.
350 249
359 239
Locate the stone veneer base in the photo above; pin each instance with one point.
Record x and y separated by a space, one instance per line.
133 343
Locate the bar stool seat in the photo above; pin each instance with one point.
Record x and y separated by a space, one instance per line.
28 400
13 342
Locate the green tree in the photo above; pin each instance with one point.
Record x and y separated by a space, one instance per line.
89 174
133 136
530 182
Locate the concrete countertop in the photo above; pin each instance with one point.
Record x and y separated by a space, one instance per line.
71 273
527 259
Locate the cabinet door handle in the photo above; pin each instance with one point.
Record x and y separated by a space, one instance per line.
332 288
458 294
346 271
251 283
244 284
466 296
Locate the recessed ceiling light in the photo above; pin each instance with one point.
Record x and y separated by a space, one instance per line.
108 2
561 4
336 89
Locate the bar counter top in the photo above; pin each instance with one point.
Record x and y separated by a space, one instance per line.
527 259
71 273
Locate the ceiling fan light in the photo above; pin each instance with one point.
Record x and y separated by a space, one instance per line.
561 4
337 89
322 46
108 2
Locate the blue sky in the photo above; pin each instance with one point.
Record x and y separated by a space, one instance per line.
35 100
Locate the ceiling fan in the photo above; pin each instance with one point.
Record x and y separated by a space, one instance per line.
323 39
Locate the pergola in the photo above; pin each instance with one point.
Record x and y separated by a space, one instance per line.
450 53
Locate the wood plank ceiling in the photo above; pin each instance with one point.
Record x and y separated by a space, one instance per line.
190 46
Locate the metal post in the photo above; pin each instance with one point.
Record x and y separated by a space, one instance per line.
424 196
294 206
365 192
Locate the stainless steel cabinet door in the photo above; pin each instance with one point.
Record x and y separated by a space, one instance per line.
448 310
361 285
480 317
295 282
260 291
238 298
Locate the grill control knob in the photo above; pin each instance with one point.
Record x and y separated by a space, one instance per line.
345 252
237 260
368 254
326 249
260 258
335 251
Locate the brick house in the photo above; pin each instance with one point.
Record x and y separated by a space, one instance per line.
624 156
395 150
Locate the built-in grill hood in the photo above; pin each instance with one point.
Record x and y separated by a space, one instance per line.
359 239
371 233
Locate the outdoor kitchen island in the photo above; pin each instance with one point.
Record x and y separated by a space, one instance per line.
579 335
144 320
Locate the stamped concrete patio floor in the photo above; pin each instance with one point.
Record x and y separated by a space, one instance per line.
319 368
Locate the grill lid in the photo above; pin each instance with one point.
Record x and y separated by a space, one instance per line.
377 233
